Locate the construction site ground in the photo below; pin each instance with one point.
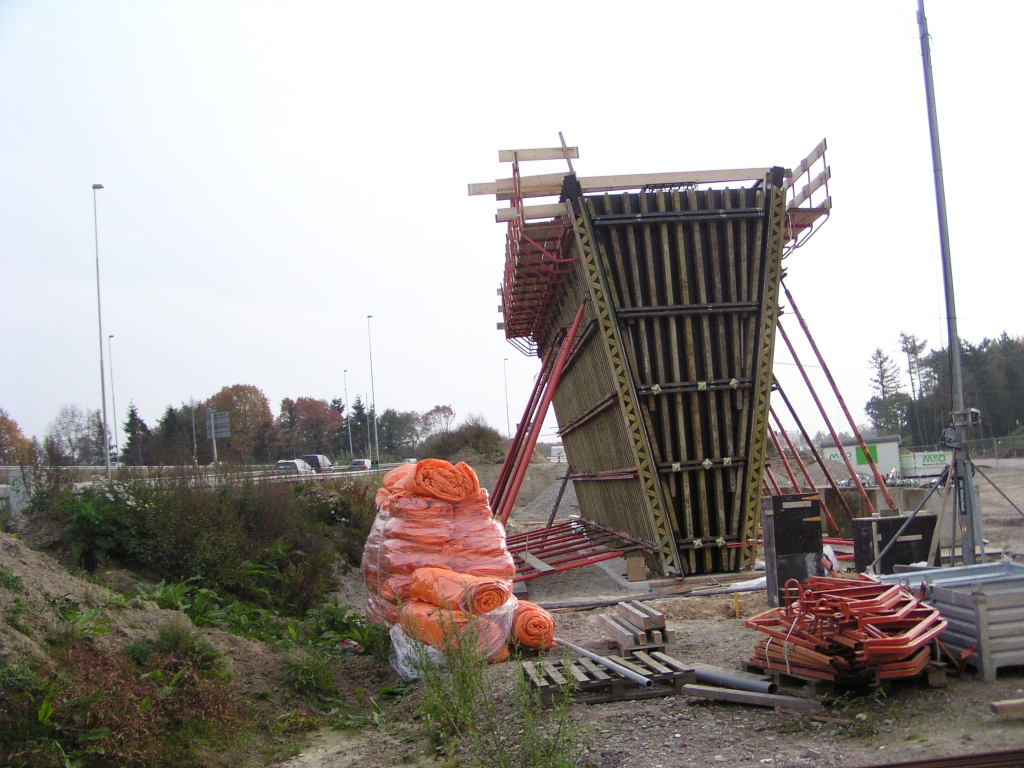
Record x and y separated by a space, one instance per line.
908 721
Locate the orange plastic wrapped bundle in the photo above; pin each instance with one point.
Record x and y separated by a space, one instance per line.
432 515
533 627
448 589
438 479
444 628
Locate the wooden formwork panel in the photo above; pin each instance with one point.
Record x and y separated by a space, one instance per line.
663 408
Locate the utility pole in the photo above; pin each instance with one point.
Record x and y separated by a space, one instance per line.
956 436
99 316
348 416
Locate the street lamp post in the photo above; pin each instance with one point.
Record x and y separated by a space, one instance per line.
508 420
99 315
348 416
113 400
373 391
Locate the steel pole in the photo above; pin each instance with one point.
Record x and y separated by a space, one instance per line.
971 524
348 416
373 391
113 399
99 316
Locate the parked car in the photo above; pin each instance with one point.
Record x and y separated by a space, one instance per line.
292 467
358 465
318 462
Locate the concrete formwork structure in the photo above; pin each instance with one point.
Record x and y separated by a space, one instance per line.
662 403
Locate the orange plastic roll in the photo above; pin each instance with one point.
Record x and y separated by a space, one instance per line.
428 533
439 479
533 627
448 589
418 508
432 625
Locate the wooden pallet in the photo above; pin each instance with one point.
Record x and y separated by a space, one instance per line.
637 627
594 683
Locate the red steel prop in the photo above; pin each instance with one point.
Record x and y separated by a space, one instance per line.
839 397
847 630
803 469
814 451
828 422
509 497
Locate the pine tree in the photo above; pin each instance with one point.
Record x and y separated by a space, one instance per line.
888 408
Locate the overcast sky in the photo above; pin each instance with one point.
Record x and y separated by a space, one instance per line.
275 172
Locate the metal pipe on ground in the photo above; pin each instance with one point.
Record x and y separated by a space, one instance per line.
739 681
616 668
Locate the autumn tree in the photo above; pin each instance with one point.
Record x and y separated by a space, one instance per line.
308 425
252 424
15 448
438 420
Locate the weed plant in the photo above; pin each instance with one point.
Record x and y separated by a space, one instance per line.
467 715
10 581
89 707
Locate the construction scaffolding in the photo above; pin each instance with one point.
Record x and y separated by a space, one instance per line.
662 393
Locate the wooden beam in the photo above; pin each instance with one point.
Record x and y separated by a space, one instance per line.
749 697
535 562
810 188
547 153
806 163
550 184
531 212
1007 706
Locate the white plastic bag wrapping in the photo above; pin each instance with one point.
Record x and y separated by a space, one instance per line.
407 655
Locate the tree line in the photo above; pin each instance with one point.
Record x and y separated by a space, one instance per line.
305 425
993 375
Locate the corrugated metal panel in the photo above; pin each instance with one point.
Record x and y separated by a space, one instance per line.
989 616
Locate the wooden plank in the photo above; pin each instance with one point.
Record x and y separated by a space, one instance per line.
536 563
749 697
675 664
657 617
594 670
657 666
549 184
618 631
543 153
806 163
531 212
578 674
552 673
1007 706
811 187
531 672
630 665
636 616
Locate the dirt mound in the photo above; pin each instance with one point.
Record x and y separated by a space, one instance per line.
540 507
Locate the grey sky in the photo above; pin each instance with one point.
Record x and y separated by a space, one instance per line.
275 172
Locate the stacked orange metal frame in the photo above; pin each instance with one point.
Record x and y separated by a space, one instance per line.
848 631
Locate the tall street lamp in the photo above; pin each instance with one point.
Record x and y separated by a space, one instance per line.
348 415
113 400
508 421
99 315
373 391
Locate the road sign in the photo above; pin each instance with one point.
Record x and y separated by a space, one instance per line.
218 424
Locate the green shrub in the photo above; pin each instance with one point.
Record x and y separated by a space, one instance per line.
308 671
10 581
262 542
